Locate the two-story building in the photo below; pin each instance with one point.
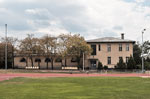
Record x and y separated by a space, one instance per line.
109 50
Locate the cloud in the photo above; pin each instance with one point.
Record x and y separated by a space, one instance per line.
90 18
139 1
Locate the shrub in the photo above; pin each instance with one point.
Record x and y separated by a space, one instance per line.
105 67
120 64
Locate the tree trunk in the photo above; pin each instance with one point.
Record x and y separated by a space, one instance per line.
61 63
31 61
78 65
47 65
12 57
52 63
26 61
65 62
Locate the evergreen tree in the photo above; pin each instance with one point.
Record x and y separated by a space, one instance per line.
147 64
131 63
137 54
100 66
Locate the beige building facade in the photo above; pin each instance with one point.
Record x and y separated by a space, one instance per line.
107 50
56 63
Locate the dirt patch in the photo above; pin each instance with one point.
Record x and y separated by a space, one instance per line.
7 76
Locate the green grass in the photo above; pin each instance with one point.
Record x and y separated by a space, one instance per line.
76 88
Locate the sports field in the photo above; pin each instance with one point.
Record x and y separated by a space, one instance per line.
76 88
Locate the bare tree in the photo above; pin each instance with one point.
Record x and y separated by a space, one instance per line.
48 44
30 46
62 46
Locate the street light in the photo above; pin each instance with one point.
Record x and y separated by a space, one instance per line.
143 51
83 62
6 46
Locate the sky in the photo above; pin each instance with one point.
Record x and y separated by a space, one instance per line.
89 18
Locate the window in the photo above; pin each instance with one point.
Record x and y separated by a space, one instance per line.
93 63
109 47
22 60
74 59
120 47
99 47
127 47
109 60
127 59
94 49
58 60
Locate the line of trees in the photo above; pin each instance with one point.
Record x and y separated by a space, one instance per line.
62 46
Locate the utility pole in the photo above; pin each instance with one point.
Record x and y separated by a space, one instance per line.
5 46
143 51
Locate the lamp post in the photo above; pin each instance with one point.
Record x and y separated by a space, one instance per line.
143 51
83 61
6 46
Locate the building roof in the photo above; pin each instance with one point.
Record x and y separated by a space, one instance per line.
110 40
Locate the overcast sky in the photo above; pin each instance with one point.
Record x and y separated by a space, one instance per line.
90 18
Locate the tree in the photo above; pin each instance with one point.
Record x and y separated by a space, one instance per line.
131 63
77 46
48 44
62 46
146 46
30 46
147 64
11 41
121 64
137 54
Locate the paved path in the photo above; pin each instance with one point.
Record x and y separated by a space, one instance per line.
7 76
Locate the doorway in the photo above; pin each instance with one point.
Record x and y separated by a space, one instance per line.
93 64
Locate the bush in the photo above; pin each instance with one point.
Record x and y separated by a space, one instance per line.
100 66
105 67
120 64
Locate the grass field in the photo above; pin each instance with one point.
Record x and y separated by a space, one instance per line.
76 88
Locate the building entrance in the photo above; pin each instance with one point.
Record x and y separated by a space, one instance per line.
93 63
